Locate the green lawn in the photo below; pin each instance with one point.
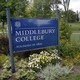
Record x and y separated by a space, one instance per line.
75 27
75 37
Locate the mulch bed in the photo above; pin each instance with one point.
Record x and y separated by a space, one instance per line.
76 70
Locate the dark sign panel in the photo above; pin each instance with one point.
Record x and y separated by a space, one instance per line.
30 34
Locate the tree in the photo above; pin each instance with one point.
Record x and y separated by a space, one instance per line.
17 8
40 9
2 12
65 4
72 16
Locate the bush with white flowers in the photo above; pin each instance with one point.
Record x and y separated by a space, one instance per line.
38 61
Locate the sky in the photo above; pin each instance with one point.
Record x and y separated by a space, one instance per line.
75 5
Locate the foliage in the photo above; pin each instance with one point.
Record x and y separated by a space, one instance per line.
5 71
5 74
72 16
69 49
6 66
66 47
77 59
27 68
31 75
38 61
22 74
39 9
52 72
3 59
22 64
66 4
76 77
68 62
2 10
4 47
71 62
17 9
65 30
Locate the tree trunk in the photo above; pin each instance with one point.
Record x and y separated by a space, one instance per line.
66 8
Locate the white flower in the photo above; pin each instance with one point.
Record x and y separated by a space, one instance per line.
41 52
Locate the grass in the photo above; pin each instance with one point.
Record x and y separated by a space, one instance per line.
75 37
76 77
75 28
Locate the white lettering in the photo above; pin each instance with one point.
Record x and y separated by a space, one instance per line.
30 38
18 39
18 33
33 32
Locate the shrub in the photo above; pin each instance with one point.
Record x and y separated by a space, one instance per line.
31 75
23 74
65 30
38 61
4 47
76 59
68 62
6 68
5 74
3 59
22 64
22 71
70 49
27 68
52 72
